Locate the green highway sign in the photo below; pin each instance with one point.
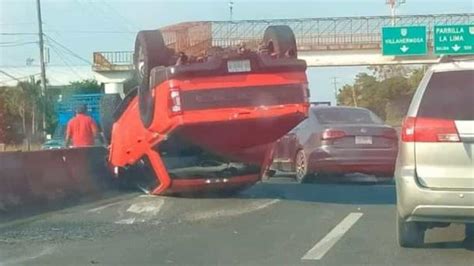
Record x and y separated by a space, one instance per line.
454 39
404 41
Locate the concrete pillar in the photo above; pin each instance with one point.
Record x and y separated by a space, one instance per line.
113 80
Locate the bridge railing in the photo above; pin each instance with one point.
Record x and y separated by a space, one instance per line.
118 60
312 34
334 32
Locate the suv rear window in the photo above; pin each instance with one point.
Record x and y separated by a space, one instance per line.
346 116
449 95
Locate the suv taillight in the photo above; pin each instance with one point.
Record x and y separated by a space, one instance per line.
175 101
330 134
420 129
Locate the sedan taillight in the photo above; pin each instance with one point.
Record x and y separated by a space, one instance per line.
390 134
420 129
330 134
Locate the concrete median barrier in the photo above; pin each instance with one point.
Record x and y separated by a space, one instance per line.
43 179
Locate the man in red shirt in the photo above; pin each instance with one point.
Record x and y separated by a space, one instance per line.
82 129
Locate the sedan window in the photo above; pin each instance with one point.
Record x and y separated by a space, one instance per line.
346 116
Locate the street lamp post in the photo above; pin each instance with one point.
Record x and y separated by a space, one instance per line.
393 6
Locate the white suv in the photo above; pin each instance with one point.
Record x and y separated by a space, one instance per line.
435 169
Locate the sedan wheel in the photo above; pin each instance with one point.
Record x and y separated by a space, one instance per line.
301 167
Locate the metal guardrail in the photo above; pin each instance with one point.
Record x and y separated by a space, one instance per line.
334 33
312 34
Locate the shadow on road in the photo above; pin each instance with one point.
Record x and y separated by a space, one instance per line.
341 192
468 245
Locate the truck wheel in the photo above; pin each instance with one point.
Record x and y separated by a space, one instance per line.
108 105
150 52
281 41
409 234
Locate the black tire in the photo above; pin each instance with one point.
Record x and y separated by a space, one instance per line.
410 234
108 105
150 52
270 173
138 177
280 40
267 174
301 167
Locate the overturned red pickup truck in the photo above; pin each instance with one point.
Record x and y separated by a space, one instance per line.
207 123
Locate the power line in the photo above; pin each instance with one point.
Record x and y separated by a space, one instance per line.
92 32
18 79
99 11
126 20
9 75
56 51
9 42
93 11
17 33
17 44
68 50
70 32
17 23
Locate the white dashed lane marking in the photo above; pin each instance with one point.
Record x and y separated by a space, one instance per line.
142 211
325 244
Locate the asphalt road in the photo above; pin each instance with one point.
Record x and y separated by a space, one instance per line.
332 222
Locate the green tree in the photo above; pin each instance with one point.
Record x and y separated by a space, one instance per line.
387 91
23 105
389 71
3 122
86 86
415 77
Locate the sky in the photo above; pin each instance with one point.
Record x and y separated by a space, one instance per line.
85 26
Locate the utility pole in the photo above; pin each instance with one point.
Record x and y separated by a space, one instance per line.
42 65
334 81
393 7
231 7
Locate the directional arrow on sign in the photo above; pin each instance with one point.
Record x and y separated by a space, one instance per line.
456 47
404 48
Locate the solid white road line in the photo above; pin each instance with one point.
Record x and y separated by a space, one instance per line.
323 246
